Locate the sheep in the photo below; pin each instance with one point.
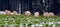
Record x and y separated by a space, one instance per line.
51 14
8 13
27 13
14 13
36 14
46 14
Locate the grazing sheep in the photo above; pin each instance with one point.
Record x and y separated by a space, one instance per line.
51 14
46 14
7 12
27 13
36 14
14 13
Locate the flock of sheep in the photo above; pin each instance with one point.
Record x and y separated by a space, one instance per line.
28 13
36 14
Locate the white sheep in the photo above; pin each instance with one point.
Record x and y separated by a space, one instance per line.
51 14
46 14
7 12
14 13
27 13
36 14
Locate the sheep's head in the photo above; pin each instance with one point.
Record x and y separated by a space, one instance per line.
36 14
27 13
